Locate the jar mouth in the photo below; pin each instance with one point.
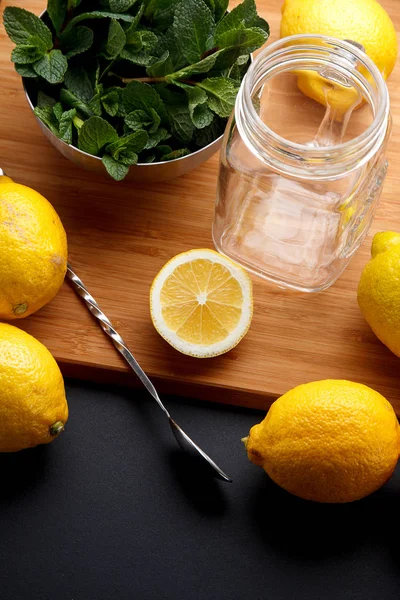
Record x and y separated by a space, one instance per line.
314 50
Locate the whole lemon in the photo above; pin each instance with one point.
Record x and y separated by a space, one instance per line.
33 407
33 250
379 289
328 441
362 21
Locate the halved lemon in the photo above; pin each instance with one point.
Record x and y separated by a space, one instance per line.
202 303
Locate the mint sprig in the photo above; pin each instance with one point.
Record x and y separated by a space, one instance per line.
135 81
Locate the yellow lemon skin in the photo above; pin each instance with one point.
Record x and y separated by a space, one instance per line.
379 290
328 441
33 407
362 21
33 250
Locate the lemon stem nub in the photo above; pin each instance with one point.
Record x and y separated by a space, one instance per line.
56 428
20 309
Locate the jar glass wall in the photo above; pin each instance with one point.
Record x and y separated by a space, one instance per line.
303 161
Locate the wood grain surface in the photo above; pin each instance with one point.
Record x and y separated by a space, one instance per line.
121 234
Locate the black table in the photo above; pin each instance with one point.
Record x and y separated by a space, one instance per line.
110 511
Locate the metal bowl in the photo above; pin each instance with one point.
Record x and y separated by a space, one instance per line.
160 171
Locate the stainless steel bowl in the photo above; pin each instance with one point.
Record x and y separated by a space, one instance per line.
160 171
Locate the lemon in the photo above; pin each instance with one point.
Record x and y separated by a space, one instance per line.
379 290
33 407
202 303
362 21
33 250
328 441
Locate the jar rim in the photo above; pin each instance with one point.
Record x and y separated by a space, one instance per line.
376 129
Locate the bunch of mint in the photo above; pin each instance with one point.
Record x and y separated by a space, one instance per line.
135 80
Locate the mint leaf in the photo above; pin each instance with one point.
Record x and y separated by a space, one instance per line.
125 146
66 125
142 96
134 25
178 112
203 137
142 48
47 116
155 138
25 71
30 52
21 24
77 40
71 100
245 40
203 66
140 119
193 24
163 16
243 16
175 154
97 14
110 102
220 9
121 6
78 82
58 111
199 112
95 134
115 169
115 41
221 94
57 11
44 100
52 66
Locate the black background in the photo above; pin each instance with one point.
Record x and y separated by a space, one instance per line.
112 510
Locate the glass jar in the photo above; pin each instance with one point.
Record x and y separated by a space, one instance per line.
302 161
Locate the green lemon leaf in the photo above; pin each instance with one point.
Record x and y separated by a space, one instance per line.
76 41
52 66
115 169
193 24
57 11
95 134
115 41
221 94
21 24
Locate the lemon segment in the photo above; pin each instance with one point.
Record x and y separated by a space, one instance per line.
202 303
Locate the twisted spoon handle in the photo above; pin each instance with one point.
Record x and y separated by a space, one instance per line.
117 340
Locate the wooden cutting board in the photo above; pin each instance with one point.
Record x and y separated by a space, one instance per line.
121 234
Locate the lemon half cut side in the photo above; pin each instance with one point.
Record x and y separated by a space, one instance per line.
202 303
